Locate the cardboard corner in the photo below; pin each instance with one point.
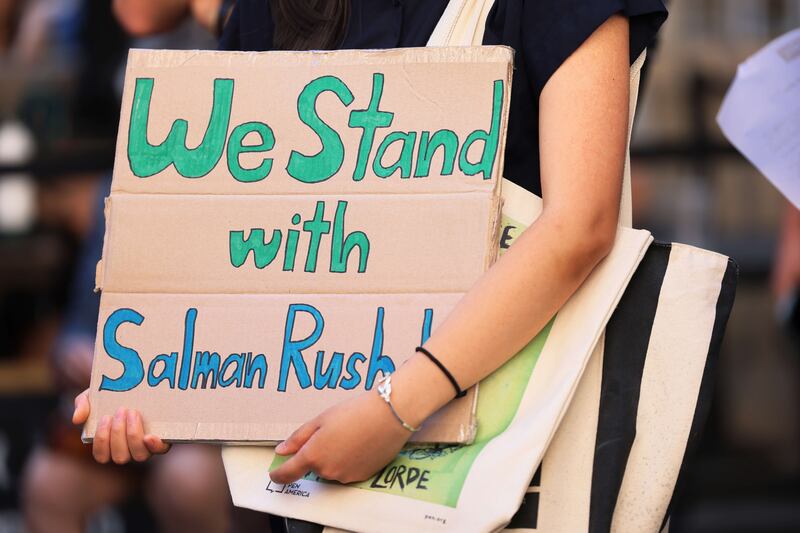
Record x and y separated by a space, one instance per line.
98 276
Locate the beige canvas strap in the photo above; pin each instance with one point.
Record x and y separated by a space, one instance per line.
463 23
626 204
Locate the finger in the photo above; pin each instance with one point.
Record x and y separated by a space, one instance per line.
155 445
119 440
100 446
292 470
81 413
297 439
135 434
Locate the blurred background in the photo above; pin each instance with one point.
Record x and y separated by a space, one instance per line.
61 66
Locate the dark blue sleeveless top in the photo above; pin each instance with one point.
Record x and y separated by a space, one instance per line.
542 32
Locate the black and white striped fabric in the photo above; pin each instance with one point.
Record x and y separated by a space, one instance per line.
641 403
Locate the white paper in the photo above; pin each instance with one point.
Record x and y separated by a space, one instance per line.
760 114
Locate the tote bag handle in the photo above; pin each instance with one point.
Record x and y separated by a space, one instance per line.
463 23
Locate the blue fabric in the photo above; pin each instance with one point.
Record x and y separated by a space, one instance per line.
543 33
81 314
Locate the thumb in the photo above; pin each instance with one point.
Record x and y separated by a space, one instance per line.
297 439
155 445
81 413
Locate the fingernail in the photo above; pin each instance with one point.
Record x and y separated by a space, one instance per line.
120 414
280 447
105 421
131 418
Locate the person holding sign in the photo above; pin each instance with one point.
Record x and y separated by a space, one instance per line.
566 141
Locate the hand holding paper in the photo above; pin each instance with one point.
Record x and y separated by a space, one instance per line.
352 440
326 445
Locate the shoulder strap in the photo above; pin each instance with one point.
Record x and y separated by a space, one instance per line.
463 23
625 205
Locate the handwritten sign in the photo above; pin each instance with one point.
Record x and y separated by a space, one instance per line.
284 228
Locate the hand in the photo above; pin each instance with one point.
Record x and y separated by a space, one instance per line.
120 438
348 442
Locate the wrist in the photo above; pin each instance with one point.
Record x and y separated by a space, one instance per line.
390 422
419 389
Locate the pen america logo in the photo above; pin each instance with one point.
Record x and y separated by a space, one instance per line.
293 489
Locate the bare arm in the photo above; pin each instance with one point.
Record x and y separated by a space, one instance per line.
583 121
583 129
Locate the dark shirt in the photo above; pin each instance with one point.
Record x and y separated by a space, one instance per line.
80 319
543 34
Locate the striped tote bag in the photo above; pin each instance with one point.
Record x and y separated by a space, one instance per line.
641 403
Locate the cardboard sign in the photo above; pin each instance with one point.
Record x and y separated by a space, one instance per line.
284 228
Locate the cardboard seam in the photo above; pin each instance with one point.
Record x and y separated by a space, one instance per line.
493 236
264 194
100 268
170 59
298 294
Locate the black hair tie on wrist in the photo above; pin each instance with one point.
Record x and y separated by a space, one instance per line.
459 393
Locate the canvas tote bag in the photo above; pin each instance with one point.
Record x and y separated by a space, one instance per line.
480 487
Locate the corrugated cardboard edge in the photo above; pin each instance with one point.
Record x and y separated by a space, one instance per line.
466 431
493 237
497 191
100 271
99 283
472 430
98 276
199 431
138 58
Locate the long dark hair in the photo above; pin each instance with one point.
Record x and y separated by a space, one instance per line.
309 24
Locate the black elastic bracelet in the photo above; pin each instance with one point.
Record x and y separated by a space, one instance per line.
459 393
